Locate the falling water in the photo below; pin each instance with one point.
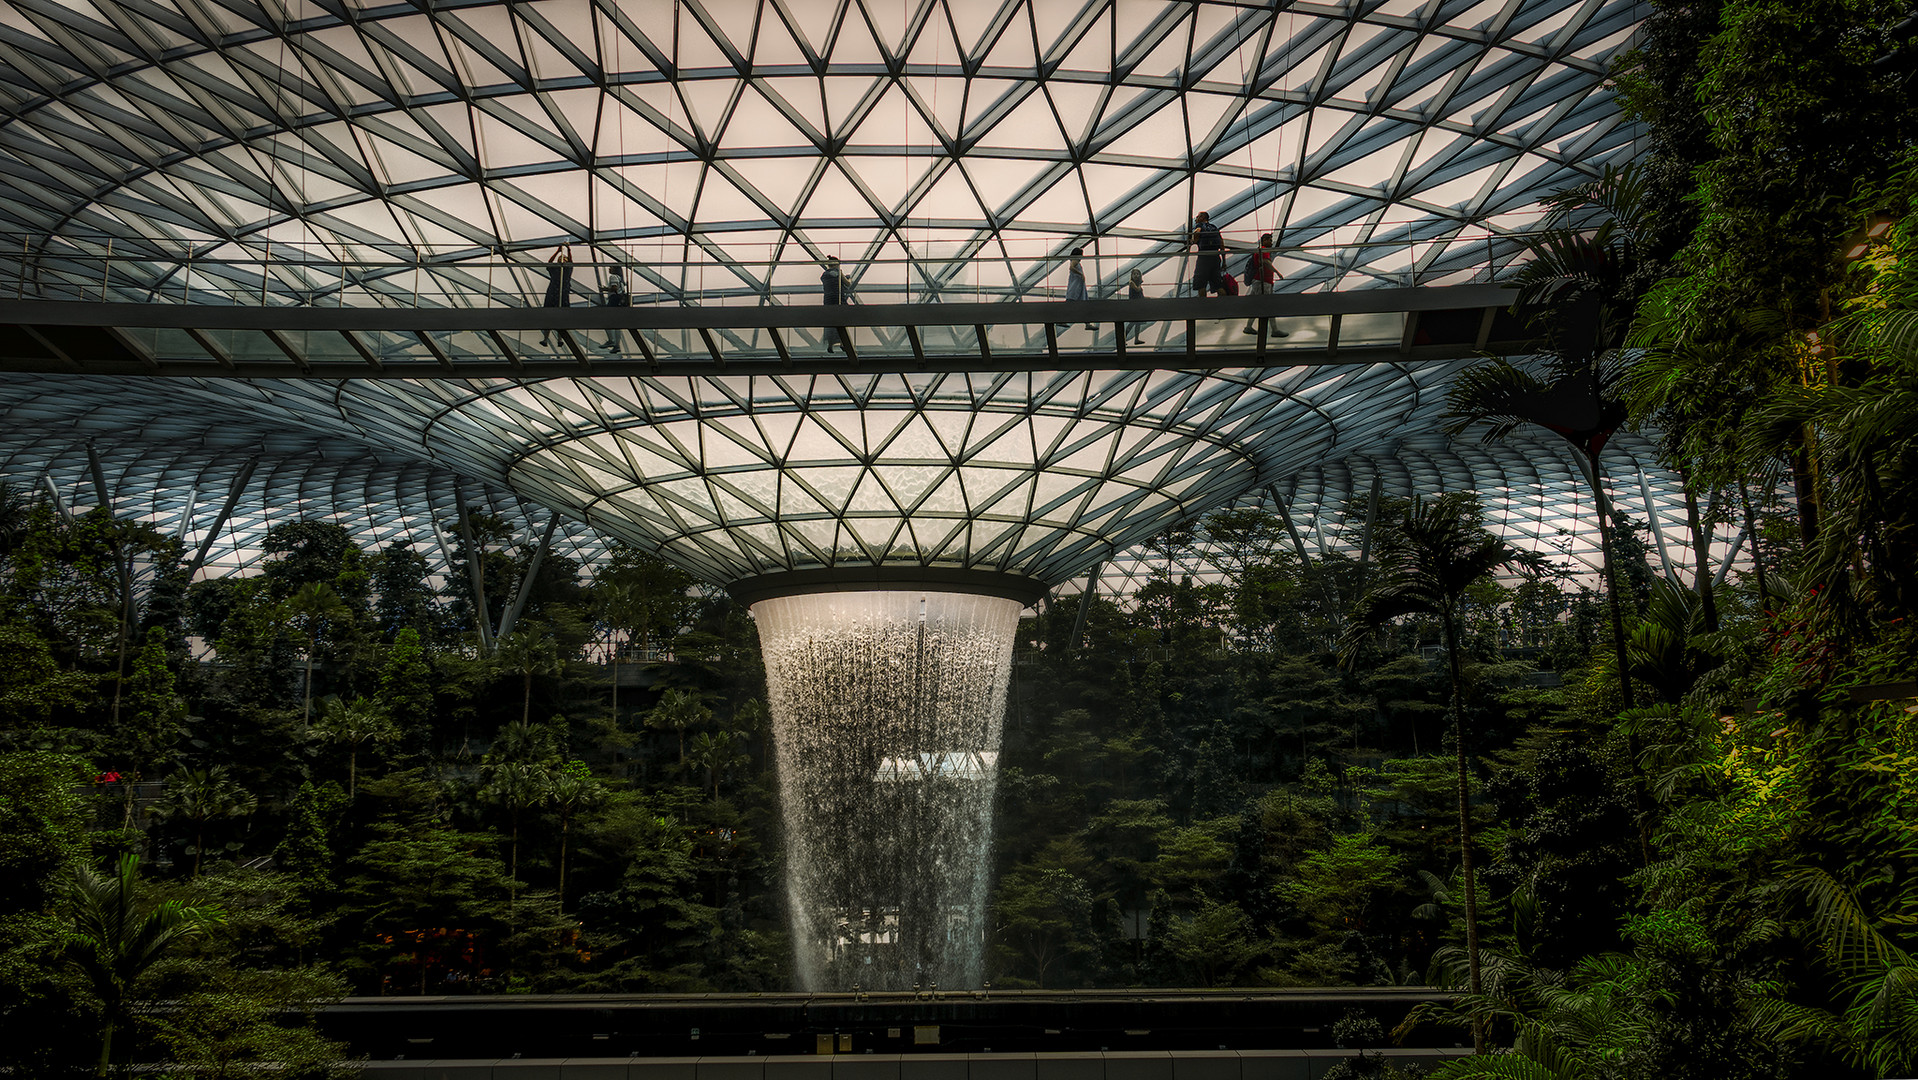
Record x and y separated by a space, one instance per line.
887 709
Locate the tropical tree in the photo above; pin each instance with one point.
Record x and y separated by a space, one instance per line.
518 786
115 937
714 752
1426 566
677 711
1583 282
352 723
571 788
310 609
527 653
203 795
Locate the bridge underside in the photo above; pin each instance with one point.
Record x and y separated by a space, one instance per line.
1290 330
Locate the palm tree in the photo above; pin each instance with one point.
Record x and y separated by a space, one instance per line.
201 795
1586 282
714 752
528 653
620 606
311 608
353 723
1426 565
1581 407
570 789
518 786
678 710
115 938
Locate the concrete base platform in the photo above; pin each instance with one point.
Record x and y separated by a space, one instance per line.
1130 1065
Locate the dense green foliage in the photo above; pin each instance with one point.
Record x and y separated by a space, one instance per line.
1663 828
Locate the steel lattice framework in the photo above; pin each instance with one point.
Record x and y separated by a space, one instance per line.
430 155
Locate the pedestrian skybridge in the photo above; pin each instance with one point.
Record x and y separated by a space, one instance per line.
238 340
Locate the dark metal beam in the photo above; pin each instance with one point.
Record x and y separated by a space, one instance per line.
481 618
720 317
240 480
510 620
1085 605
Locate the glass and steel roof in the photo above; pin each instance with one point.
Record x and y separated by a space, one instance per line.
339 153
719 148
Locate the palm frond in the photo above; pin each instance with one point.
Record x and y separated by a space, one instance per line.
1493 393
1841 920
1505 1066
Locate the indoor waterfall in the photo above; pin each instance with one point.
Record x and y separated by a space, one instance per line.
887 708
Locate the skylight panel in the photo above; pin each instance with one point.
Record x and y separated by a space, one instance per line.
756 124
1303 73
1160 135
1203 112
1013 50
502 146
693 49
1077 104
1091 51
707 101
1063 203
844 94
1547 27
1168 215
890 177
1166 56
894 122
998 180
855 44
835 198
1029 126
949 199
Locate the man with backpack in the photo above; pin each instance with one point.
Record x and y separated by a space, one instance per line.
1259 278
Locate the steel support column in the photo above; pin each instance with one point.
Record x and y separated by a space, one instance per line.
518 606
240 480
1284 510
1085 605
481 620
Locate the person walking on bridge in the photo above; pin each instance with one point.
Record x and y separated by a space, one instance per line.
1208 265
559 283
832 289
613 293
1259 278
1076 284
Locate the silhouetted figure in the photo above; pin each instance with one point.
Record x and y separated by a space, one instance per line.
1260 275
1135 290
1076 284
1208 265
559 283
832 291
613 293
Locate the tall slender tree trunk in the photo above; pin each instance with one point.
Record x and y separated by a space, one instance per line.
105 1064
526 703
512 879
120 667
1804 480
352 769
1641 799
1758 550
312 643
565 830
1464 825
1603 503
1701 555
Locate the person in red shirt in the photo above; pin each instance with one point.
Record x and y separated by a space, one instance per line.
1259 278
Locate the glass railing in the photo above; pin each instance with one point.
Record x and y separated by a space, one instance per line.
149 271
288 277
